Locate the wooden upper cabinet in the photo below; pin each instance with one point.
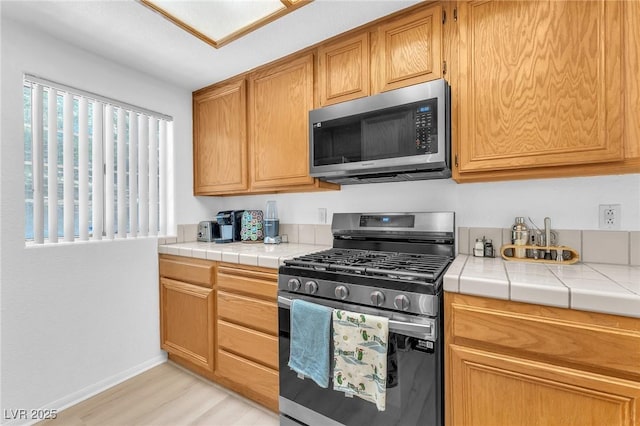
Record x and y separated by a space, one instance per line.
408 50
343 71
219 139
631 66
540 84
280 98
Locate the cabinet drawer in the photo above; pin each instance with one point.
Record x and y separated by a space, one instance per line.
603 343
194 271
253 313
250 344
251 282
254 380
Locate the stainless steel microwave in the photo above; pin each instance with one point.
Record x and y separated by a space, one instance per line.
403 134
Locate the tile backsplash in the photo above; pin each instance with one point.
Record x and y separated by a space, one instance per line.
301 234
613 247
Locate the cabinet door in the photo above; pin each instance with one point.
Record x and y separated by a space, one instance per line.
219 139
280 98
491 389
408 50
631 58
539 84
343 70
186 321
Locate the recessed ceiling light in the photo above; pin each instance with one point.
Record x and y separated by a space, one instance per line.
218 22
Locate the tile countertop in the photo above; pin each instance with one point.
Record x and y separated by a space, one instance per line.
253 254
611 289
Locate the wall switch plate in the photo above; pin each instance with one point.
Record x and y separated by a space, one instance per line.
322 215
609 217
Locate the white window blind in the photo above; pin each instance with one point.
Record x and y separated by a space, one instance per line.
94 167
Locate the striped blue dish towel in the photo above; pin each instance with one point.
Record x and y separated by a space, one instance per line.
310 344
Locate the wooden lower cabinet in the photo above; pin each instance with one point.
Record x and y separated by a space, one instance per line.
221 321
508 364
247 334
187 310
500 390
251 379
254 345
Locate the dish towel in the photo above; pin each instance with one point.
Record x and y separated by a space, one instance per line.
310 334
360 355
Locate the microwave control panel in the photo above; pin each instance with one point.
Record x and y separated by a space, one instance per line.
426 127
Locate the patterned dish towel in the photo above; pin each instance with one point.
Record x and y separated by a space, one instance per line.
360 355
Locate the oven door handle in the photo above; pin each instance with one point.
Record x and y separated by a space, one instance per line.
421 331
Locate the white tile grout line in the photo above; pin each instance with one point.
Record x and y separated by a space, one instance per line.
461 270
504 265
610 279
562 282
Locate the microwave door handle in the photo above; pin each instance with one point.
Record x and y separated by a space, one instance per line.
423 331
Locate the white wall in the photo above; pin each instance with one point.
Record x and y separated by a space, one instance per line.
79 317
571 203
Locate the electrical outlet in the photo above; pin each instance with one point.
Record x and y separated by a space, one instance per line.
609 217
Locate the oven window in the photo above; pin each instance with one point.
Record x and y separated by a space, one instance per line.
414 386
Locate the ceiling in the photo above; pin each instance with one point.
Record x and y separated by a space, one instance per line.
126 32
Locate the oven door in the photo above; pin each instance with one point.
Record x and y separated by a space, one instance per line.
414 377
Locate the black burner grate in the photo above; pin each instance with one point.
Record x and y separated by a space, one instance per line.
391 265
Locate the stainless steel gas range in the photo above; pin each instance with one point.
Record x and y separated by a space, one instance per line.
384 264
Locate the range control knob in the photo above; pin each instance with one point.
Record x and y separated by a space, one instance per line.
402 302
293 284
342 292
311 287
377 298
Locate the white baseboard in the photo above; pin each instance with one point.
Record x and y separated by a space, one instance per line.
92 390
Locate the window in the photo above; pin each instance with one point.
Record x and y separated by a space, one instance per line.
94 167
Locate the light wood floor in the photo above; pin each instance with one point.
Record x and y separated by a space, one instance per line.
166 395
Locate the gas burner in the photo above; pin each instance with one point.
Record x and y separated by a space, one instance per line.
392 261
391 265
